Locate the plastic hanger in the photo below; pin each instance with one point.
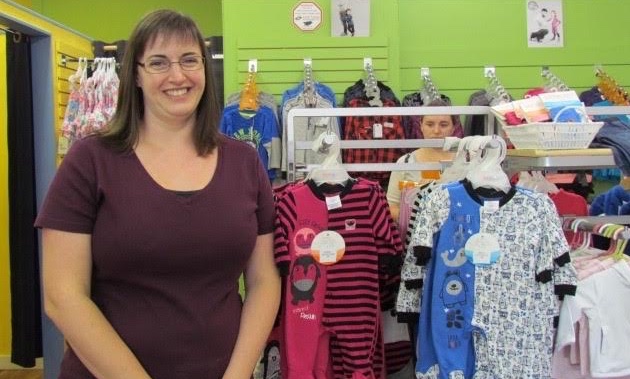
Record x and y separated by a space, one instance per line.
330 170
525 180
541 184
486 170
581 241
620 244
461 162
617 246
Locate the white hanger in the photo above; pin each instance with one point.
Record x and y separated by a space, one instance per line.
330 170
536 181
541 184
486 170
461 163
525 180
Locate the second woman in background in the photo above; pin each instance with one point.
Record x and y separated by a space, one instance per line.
431 127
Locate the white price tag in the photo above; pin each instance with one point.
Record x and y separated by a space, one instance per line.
333 202
377 130
327 254
490 206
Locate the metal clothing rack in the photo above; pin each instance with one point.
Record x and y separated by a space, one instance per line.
114 47
293 145
590 224
67 59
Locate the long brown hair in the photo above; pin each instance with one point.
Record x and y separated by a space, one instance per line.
124 128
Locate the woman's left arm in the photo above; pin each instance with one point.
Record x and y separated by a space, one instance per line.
262 299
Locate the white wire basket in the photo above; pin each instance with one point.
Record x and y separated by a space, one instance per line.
552 135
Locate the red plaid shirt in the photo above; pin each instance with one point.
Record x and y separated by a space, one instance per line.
362 128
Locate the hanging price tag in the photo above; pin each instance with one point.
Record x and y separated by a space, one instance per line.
333 202
377 130
490 206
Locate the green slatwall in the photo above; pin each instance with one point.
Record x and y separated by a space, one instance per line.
337 66
454 38
470 34
262 30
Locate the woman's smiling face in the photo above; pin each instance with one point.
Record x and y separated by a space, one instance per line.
174 94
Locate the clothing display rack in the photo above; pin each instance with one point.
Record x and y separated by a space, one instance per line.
592 224
66 59
293 145
114 47
517 159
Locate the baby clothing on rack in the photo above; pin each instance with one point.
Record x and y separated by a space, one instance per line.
348 326
514 288
372 128
602 300
259 130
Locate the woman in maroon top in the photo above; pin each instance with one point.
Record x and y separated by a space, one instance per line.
148 226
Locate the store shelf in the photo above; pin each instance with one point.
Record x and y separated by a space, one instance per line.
535 159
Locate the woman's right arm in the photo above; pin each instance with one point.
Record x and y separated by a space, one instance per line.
67 271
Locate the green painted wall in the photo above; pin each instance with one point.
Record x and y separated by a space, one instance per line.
454 38
113 20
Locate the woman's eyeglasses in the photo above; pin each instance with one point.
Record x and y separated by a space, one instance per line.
159 65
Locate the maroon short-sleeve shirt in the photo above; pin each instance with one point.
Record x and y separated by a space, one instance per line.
165 266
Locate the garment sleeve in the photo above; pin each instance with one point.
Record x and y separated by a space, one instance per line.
561 270
389 248
72 200
388 242
430 217
408 299
284 223
432 211
411 276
